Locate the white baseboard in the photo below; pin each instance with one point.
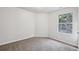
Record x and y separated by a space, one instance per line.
15 40
65 42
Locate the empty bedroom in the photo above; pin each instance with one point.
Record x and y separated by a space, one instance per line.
39 28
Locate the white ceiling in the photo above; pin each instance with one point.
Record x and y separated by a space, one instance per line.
41 9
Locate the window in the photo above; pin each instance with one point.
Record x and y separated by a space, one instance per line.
65 23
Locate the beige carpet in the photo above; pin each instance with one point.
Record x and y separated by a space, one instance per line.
37 44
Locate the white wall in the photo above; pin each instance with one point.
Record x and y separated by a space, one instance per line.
78 20
41 25
78 28
53 26
15 24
